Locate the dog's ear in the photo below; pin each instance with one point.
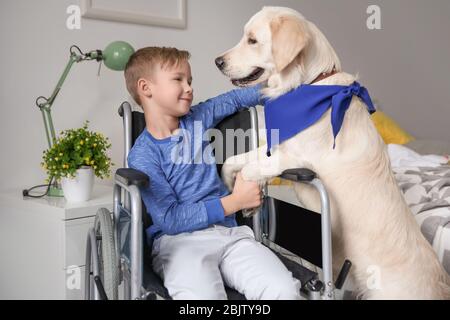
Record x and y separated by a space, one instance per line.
289 38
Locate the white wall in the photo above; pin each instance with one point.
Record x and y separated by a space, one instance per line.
405 65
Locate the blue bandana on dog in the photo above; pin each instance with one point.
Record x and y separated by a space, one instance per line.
301 108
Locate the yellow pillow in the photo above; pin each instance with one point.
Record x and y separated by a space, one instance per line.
389 130
280 182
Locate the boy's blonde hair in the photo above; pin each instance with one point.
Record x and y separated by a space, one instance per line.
143 61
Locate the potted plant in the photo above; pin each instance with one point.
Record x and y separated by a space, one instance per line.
75 157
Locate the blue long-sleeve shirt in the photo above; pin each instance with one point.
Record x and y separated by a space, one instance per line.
185 189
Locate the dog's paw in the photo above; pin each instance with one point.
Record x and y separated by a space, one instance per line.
251 173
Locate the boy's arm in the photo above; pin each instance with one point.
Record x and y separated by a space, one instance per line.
214 110
166 212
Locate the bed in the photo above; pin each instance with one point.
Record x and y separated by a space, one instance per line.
422 170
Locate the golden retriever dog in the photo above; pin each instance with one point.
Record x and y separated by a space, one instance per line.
371 222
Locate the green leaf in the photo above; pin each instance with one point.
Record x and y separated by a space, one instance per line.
74 154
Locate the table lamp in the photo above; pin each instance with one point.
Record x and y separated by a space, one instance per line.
115 56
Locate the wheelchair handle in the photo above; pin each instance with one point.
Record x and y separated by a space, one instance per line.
299 175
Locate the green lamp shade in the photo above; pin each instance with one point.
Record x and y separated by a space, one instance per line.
117 54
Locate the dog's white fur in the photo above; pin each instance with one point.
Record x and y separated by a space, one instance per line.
371 222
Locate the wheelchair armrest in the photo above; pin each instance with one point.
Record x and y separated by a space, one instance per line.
129 176
299 175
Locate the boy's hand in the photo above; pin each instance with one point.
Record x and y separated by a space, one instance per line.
247 193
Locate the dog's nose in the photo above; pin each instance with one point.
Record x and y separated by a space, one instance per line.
220 63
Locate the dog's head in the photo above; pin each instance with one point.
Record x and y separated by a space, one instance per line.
278 41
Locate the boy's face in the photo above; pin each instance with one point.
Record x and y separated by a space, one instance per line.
171 89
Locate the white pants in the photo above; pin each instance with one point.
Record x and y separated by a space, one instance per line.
192 266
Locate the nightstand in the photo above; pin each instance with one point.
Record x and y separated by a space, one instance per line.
43 244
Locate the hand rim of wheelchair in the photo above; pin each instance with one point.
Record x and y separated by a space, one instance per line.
105 249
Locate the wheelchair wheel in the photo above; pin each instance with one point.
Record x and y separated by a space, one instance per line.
108 268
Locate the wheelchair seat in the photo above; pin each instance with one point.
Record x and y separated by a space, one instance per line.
153 283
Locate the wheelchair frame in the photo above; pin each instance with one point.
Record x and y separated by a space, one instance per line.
131 270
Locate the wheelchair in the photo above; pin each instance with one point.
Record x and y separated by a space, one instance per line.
118 254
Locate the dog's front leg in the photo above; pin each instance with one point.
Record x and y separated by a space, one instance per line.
264 169
234 164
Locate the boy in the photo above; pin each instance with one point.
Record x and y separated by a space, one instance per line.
196 240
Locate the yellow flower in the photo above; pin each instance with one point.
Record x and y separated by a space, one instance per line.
95 145
92 162
61 154
95 167
81 142
56 159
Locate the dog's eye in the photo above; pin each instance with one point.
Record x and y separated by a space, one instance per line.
252 41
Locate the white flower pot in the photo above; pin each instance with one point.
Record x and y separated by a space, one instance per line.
79 189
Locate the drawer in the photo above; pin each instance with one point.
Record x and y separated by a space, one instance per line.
75 241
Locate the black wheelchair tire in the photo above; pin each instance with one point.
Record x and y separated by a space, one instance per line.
108 268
